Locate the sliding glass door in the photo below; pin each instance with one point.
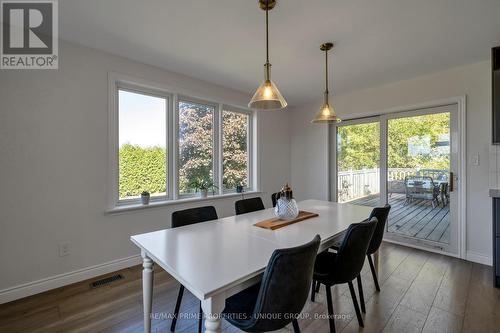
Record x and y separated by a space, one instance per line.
407 160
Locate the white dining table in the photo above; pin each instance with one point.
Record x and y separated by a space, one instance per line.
215 260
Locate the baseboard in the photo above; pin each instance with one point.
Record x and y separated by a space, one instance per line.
424 248
35 287
470 255
479 258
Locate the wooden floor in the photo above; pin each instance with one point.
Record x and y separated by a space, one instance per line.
421 292
416 219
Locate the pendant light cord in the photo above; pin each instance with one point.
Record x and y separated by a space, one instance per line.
267 31
326 71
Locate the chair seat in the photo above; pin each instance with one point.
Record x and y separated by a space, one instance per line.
240 307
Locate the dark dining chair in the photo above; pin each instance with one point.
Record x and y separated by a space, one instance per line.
280 296
381 213
343 266
182 218
248 205
274 198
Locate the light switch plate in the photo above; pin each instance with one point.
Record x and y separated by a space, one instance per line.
64 249
474 160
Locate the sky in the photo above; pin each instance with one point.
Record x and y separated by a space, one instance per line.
142 119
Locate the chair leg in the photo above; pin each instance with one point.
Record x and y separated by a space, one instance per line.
356 306
296 328
177 307
330 309
200 319
317 286
374 274
361 295
313 290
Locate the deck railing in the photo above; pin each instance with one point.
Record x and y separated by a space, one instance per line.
355 184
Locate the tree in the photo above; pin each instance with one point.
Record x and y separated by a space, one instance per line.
413 142
234 147
358 146
195 144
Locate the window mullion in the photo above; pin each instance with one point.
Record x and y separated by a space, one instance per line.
218 169
175 147
167 147
250 168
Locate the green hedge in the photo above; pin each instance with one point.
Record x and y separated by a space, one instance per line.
141 169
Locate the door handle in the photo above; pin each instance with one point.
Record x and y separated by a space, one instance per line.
452 181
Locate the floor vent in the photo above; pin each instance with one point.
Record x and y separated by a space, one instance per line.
106 281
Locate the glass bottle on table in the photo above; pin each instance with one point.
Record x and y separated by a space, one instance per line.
286 206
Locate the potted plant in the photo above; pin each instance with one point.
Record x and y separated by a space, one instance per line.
203 186
145 197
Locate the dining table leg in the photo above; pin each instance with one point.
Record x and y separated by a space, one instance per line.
147 290
212 309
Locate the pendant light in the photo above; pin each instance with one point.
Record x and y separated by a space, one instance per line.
267 96
326 114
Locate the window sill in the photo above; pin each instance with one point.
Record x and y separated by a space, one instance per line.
156 204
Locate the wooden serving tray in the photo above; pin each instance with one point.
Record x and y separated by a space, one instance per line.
276 223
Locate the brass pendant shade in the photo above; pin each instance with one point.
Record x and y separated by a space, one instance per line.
267 96
326 114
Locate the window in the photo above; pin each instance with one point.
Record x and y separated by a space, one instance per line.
196 146
235 154
212 144
142 147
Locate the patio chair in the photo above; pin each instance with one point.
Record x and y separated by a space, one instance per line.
396 186
437 175
444 190
422 188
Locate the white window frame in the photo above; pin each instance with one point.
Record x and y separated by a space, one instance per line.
118 82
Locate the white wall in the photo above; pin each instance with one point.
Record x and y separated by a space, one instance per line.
309 142
53 167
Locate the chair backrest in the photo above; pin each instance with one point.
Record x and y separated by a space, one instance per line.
352 252
419 183
248 205
193 215
285 286
381 213
274 198
435 174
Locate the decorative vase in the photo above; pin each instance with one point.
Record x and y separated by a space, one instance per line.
145 199
239 189
286 206
203 193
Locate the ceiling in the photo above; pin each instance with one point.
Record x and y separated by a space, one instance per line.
222 41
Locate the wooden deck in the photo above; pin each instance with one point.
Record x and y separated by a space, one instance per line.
417 219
